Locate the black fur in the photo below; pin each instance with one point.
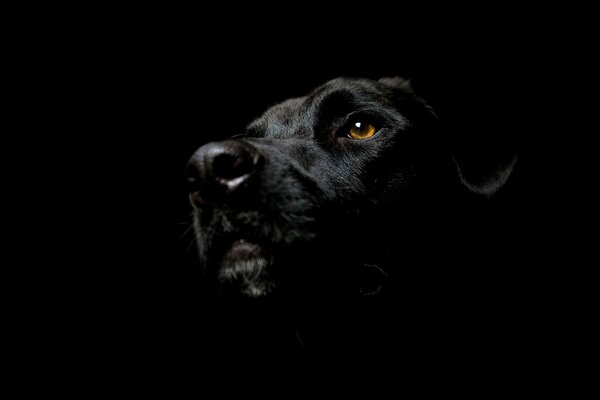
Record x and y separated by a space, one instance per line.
324 214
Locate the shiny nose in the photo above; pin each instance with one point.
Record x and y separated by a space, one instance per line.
218 170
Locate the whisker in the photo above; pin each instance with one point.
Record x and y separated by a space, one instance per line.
190 246
186 232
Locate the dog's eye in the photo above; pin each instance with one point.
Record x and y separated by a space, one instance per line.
361 130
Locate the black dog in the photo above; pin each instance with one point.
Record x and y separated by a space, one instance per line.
348 210
323 191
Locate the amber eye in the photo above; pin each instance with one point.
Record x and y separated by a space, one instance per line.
361 130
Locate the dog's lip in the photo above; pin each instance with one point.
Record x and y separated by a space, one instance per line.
244 249
242 244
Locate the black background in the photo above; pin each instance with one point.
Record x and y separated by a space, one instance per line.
146 90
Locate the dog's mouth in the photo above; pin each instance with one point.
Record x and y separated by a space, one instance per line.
245 266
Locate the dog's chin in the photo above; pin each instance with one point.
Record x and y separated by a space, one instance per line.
245 269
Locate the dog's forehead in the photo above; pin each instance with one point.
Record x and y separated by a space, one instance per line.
294 117
287 119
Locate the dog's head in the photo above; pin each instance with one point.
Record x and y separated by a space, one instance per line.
313 187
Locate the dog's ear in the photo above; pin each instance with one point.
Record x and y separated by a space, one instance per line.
416 105
485 171
483 162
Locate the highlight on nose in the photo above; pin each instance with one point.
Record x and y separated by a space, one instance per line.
219 169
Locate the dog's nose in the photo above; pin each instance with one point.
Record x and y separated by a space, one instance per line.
219 169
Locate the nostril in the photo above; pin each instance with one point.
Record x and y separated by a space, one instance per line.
193 185
192 178
218 170
227 167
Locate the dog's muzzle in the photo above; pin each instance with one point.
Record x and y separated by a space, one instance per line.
220 171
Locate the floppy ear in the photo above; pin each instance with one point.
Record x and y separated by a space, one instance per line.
485 173
483 162
404 87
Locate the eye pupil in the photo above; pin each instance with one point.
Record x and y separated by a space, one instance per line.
361 130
